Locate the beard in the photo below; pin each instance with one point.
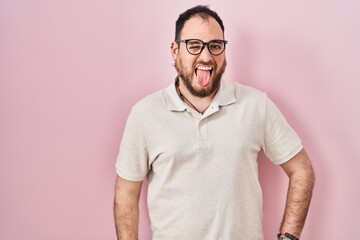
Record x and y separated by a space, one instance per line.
186 77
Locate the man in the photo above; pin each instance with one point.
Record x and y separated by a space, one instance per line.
197 142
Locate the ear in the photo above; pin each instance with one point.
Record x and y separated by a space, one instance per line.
174 50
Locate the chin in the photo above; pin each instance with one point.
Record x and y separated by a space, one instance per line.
202 91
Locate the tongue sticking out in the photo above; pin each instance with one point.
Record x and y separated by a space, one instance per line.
203 77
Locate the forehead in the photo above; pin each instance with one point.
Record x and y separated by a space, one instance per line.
201 28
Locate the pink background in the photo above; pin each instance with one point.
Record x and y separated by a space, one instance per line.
71 70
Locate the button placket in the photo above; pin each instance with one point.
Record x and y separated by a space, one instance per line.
203 134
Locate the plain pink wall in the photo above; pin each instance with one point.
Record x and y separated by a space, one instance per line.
71 70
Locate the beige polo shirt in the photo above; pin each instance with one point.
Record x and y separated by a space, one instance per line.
202 169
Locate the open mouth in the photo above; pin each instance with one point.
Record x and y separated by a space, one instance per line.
203 74
203 68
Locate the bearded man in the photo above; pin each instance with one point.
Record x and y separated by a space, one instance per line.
197 142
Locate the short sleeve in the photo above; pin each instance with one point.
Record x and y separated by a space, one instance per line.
281 142
132 161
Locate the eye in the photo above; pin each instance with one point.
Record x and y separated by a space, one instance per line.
216 46
194 45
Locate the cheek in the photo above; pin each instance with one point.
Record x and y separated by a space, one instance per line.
188 62
220 61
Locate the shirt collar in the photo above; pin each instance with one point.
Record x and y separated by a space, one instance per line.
173 100
225 96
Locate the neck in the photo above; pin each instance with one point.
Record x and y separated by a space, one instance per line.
198 104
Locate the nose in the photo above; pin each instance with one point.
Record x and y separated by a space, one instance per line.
205 55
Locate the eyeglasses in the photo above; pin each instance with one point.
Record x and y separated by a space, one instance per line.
196 46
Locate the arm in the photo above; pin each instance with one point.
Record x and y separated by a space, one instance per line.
301 183
126 210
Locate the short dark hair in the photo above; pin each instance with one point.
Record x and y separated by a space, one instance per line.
203 11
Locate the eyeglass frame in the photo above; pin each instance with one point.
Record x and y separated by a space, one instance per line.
203 45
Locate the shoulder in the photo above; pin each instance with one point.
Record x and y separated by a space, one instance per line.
244 93
151 102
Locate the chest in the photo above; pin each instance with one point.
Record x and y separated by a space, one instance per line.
230 134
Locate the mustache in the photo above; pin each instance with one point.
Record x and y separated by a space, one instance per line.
208 63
